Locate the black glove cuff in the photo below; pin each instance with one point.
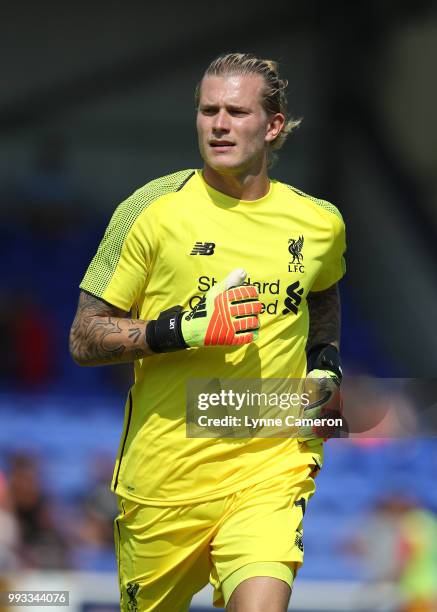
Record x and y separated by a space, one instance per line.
164 334
325 357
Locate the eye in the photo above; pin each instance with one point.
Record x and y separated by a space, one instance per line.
238 112
208 110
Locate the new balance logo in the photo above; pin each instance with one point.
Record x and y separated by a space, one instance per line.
203 248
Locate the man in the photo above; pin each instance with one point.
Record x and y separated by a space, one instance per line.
193 509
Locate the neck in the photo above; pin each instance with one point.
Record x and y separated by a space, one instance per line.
242 186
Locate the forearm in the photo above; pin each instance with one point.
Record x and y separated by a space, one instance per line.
109 340
227 315
325 317
324 372
99 338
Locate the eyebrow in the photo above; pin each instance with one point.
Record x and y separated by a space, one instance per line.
234 107
238 107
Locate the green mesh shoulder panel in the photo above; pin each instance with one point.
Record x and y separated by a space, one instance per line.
323 203
105 261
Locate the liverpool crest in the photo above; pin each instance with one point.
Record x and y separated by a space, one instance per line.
295 246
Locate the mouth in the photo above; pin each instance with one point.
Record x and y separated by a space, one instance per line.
221 145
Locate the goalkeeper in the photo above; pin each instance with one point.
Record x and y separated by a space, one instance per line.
218 273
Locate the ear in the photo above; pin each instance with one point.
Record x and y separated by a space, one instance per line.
274 126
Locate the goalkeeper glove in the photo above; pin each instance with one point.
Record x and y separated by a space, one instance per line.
226 315
323 380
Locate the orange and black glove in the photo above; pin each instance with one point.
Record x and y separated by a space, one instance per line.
227 315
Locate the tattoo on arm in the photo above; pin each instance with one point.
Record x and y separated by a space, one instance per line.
102 334
325 313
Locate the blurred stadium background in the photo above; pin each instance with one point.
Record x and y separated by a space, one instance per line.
97 99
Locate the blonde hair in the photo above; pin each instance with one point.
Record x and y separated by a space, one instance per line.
274 98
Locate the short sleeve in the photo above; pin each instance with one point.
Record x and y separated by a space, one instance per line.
119 269
333 264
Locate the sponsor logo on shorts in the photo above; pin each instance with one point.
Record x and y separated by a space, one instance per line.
132 590
298 541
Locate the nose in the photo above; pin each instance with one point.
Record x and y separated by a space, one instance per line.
221 122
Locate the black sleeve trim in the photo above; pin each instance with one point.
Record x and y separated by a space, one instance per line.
182 185
124 440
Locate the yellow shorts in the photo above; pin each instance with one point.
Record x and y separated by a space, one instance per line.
166 554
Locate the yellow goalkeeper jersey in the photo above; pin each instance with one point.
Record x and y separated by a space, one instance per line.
167 244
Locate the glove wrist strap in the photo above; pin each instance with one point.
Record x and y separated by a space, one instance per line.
164 334
325 357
